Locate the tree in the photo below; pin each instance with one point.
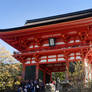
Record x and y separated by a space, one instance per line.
77 77
9 69
60 75
5 56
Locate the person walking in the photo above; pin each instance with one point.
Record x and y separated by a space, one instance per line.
20 89
32 86
36 84
42 87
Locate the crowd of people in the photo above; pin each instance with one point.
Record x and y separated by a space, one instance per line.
31 86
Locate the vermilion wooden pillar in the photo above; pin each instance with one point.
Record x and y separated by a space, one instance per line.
67 70
91 70
37 70
51 76
44 77
88 72
23 72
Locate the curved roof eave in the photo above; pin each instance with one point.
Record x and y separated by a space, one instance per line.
53 20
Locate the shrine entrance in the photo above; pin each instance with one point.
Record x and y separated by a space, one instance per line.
49 44
45 71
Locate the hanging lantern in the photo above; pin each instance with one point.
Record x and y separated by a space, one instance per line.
51 41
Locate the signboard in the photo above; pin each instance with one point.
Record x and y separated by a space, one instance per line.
51 41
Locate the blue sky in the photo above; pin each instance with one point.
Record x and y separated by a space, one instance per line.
14 13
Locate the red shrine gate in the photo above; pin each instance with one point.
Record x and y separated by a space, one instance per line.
49 44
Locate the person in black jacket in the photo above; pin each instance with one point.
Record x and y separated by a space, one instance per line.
36 84
32 86
42 87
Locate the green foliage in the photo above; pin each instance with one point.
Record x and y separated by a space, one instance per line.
8 74
9 69
60 75
77 77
